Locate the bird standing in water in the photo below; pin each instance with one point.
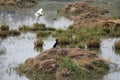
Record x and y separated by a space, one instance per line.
39 13
56 44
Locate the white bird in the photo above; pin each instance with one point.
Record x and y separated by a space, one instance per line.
39 13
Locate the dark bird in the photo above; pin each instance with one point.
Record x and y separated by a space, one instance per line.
56 43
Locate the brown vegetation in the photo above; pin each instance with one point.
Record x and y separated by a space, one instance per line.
17 3
73 10
84 14
65 62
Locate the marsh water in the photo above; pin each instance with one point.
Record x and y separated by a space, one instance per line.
15 50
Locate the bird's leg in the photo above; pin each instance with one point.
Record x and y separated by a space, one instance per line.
37 19
40 19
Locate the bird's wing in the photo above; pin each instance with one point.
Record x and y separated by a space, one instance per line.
40 11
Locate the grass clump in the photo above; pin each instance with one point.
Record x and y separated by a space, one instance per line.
43 33
100 66
38 43
4 27
93 42
80 45
38 26
85 35
69 64
72 67
14 32
35 27
117 44
24 28
64 40
4 34
50 29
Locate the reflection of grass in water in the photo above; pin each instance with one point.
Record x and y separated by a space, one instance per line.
117 45
117 51
5 31
39 48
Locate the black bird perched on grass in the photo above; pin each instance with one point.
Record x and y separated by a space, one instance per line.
56 43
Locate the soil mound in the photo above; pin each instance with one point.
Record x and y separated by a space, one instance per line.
64 62
84 15
17 3
73 10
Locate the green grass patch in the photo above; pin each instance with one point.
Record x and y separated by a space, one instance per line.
71 66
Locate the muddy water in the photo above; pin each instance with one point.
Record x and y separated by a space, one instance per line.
15 50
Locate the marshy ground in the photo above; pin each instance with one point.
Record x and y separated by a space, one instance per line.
87 31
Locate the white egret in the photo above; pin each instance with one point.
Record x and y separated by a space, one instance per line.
39 13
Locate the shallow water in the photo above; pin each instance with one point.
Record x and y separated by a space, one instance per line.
112 5
16 18
15 50
108 52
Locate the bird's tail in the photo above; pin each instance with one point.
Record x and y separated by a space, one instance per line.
36 14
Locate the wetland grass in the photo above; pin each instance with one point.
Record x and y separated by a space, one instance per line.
65 66
38 43
24 28
91 36
43 33
5 31
4 27
93 42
